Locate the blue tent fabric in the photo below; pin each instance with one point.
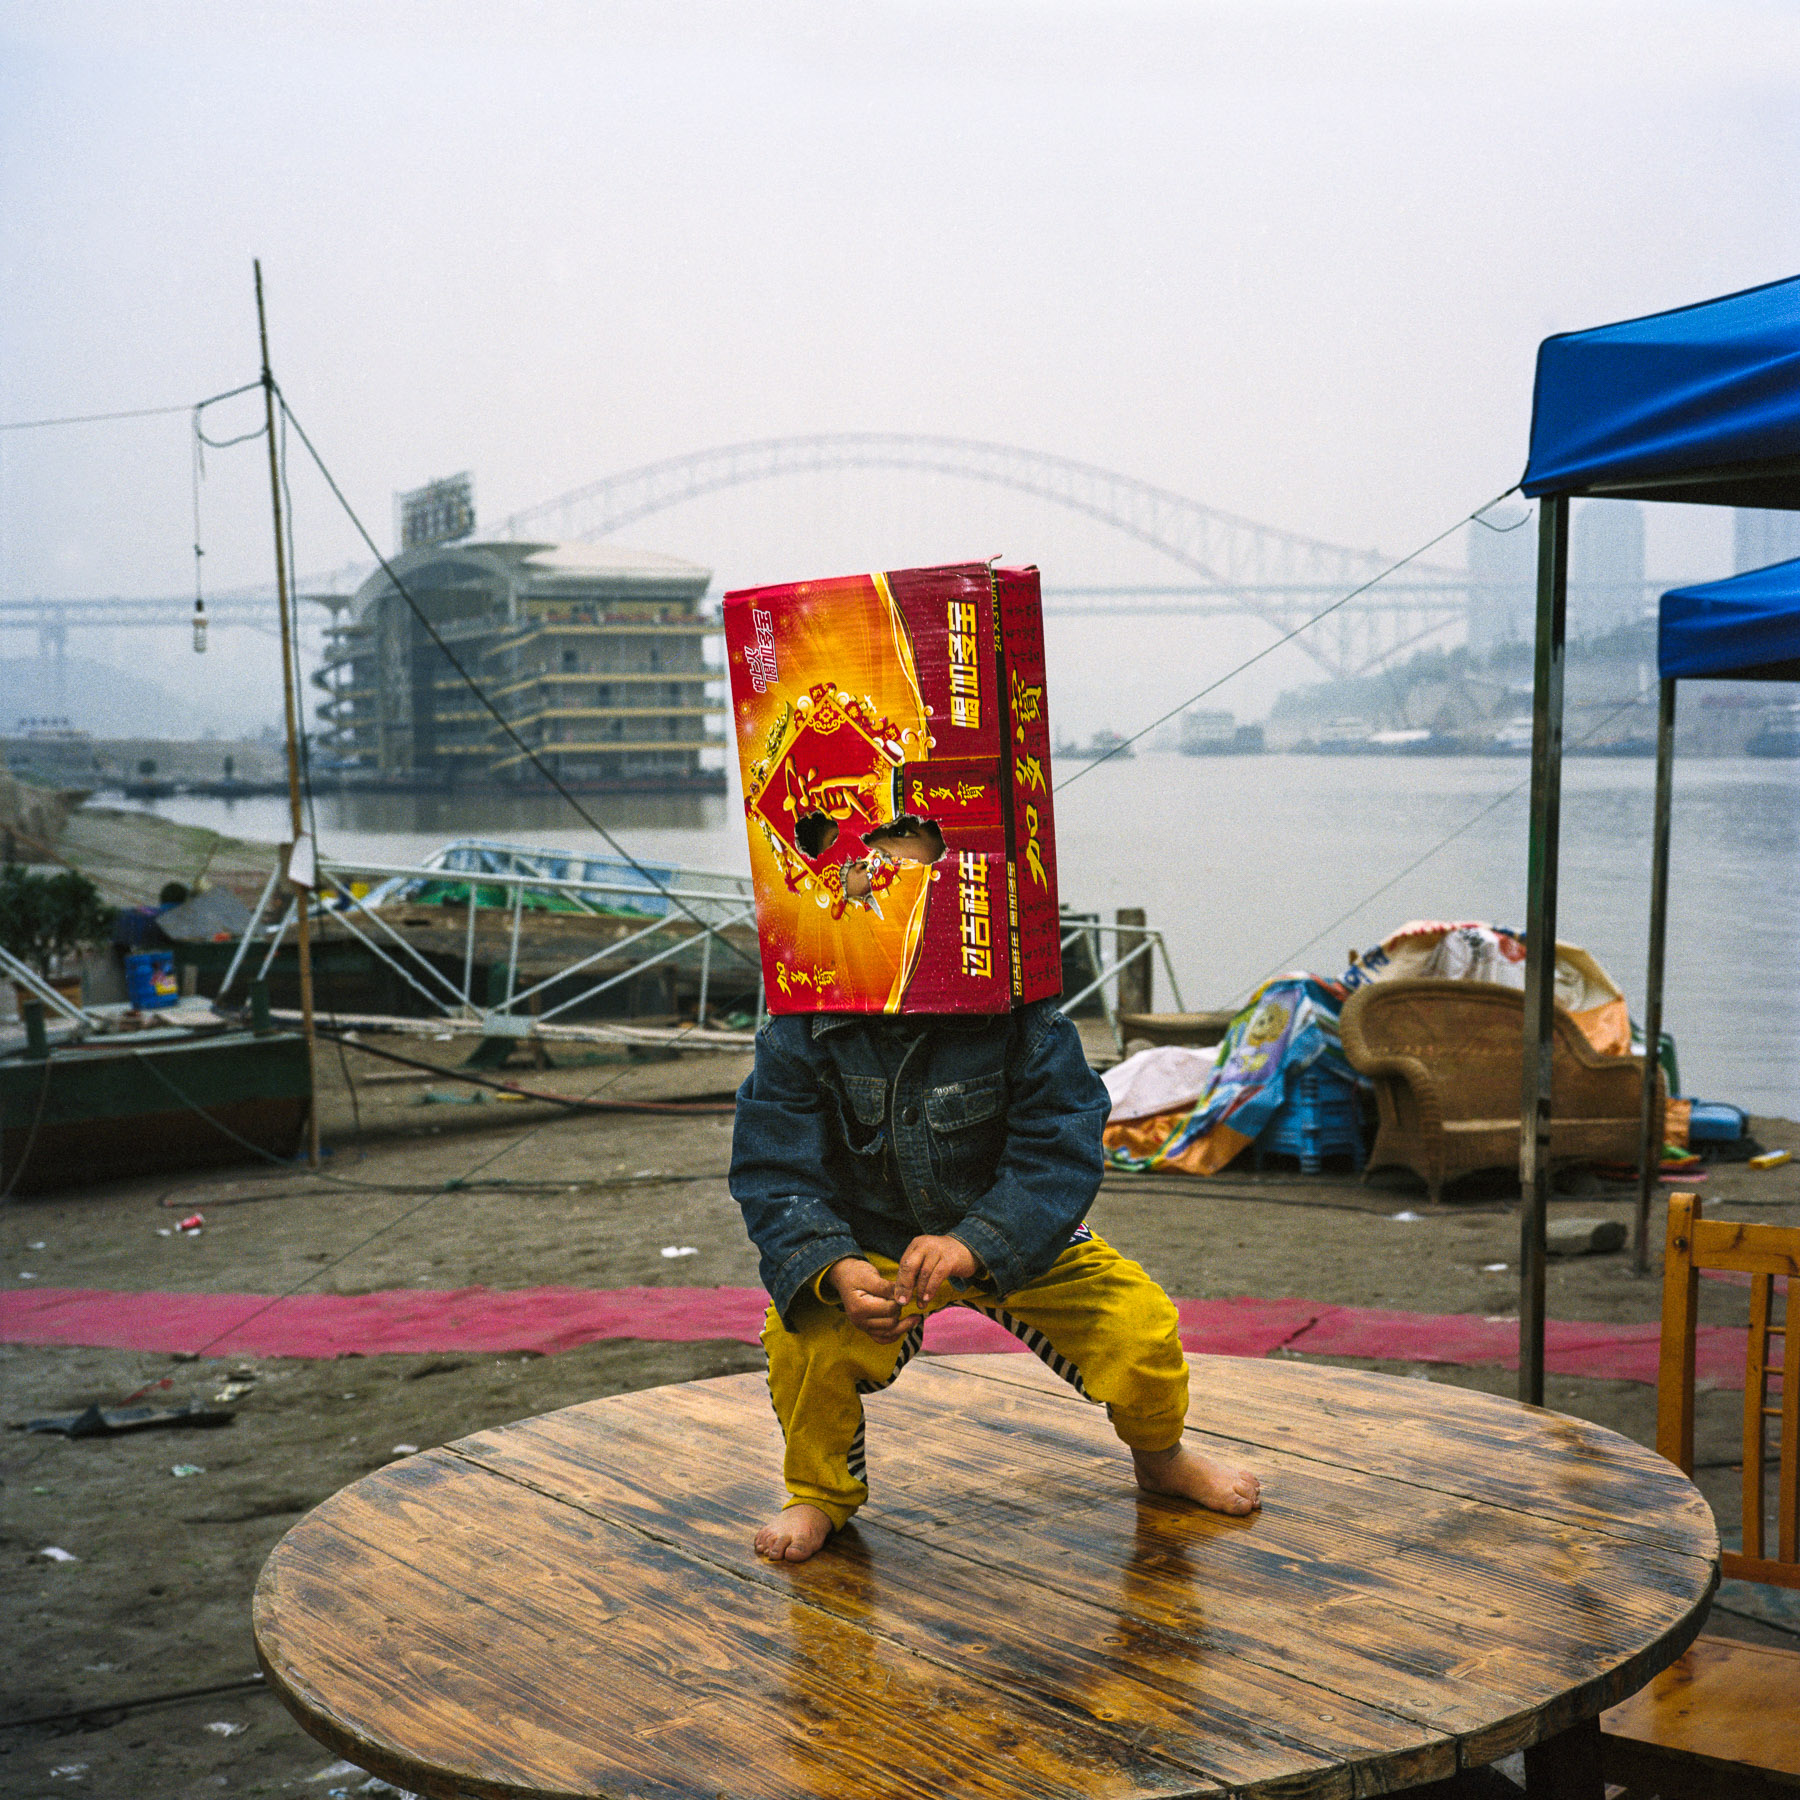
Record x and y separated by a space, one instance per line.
1701 404
1746 628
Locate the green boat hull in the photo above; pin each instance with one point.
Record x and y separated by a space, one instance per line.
114 1109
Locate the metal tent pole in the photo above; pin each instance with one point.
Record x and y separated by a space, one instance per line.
1540 934
1650 1126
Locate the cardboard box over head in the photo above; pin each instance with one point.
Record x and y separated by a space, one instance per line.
895 748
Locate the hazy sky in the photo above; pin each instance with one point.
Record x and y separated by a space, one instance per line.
1292 260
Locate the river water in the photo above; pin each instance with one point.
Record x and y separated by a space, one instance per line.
1251 865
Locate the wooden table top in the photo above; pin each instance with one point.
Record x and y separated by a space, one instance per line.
571 1606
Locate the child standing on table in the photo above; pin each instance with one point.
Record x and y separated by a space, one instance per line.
888 1166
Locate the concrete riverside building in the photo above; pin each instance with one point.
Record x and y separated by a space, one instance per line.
594 654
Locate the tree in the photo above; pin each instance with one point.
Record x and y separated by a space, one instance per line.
44 918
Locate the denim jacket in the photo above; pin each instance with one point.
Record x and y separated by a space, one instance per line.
858 1133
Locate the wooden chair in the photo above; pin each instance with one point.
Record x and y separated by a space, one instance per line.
1448 1062
1725 1719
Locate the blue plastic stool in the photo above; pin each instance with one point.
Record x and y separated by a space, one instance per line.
1320 1117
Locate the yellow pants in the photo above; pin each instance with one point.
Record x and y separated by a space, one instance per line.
1095 1318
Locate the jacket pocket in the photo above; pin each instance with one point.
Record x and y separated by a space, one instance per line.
861 1107
968 1133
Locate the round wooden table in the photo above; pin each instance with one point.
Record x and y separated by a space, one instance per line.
571 1606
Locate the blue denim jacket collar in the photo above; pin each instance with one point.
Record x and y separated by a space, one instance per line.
824 1022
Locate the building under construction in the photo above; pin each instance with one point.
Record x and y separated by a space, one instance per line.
593 653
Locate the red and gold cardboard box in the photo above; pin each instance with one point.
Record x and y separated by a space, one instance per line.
895 749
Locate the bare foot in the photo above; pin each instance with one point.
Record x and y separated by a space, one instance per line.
1217 1486
793 1534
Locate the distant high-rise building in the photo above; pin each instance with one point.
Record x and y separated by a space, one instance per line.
1761 538
1502 584
1606 567
593 652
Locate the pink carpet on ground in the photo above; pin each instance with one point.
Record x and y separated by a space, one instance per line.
414 1321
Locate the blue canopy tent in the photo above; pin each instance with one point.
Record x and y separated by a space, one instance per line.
1746 628
1701 406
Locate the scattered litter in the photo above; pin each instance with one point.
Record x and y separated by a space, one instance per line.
26 1275
406 1449
68 1771
679 1250
442 1037
501 1095
182 1470
164 1231
1686 1180
338 1770
36 1246
437 1097
57 1554
192 1225
1771 1159
233 1390
225 1728
1406 1218
1493 1268
105 1422
375 1785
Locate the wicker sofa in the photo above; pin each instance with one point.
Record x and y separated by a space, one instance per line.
1448 1062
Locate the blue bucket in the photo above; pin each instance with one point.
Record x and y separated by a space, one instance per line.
150 979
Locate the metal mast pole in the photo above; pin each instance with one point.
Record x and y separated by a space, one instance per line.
1540 934
291 702
1650 1130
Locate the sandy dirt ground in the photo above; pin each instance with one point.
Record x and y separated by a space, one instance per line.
156 1601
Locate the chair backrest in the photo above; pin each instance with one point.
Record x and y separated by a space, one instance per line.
1473 1029
1767 1254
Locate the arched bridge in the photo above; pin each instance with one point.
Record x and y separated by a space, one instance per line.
1229 565
1234 565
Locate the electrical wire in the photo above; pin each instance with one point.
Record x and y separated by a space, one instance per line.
452 1185
243 437
455 1182
196 1196
31 1137
691 1108
480 693
141 412
248 1684
1125 744
1443 843
138 412
196 474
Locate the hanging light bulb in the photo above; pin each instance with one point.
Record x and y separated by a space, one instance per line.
200 626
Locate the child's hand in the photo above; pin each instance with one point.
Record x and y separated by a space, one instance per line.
869 1300
928 1263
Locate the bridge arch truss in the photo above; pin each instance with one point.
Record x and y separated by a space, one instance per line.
1235 565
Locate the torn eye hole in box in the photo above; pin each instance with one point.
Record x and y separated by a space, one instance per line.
815 833
907 838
